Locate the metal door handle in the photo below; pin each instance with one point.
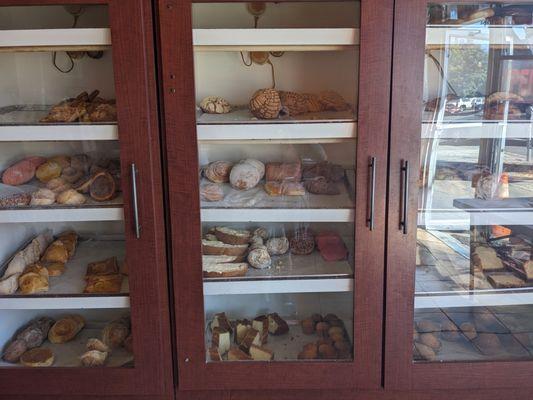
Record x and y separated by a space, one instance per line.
372 165
135 201
405 194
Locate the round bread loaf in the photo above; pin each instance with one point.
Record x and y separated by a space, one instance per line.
48 171
265 104
42 197
245 175
37 357
259 258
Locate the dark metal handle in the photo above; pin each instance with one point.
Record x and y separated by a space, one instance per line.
372 165
135 201
405 194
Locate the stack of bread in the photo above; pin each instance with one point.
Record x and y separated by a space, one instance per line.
249 337
114 335
333 342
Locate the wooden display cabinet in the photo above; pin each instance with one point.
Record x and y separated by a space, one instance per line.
313 46
459 236
105 46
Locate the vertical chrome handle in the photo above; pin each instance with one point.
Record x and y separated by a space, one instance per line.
372 192
405 194
135 201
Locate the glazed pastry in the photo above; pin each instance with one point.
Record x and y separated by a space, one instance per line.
333 101
71 197
58 185
283 172
42 197
292 103
103 284
246 174
232 236
218 171
66 329
54 268
302 243
109 266
259 258
56 252
34 279
277 246
37 357
22 171
265 104
284 188
93 358
114 333
215 105
48 171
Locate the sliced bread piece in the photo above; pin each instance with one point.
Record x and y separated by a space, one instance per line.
277 325
225 270
261 353
252 336
232 236
221 339
236 354
212 247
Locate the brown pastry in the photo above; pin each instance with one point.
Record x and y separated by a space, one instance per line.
48 171
37 357
69 240
332 172
252 336
279 172
102 112
128 343
34 333
309 352
312 102
284 188
277 325
14 350
259 353
115 333
220 320
321 185
66 329
109 266
56 252
71 175
236 354
81 163
102 187
93 358
103 284
34 279
302 242
327 352
322 329
57 185
211 192
71 197
265 104
308 326
431 340
246 174
218 171
344 349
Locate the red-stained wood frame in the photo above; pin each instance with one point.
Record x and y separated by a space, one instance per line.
136 95
407 85
176 58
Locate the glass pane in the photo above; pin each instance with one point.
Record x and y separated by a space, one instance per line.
277 145
64 295
474 294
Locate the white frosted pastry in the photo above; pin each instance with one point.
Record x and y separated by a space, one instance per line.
244 176
259 258
277 246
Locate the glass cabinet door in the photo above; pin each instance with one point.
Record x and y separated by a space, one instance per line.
271 251
65 249
473 291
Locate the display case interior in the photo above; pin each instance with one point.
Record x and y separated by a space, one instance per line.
277 141
474 248
63 269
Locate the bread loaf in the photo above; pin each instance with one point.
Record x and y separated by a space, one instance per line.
48 171
22 171
265 104
279 172
246 174
232 236
66 329
34 279
37 357
42 197
284 189
259 353
212 247
56 252
215 105
115 333
71 197
259 258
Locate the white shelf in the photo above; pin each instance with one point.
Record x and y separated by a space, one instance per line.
61 215
480 298
277 215
278 286
241 126
55 39
478 35
66 291
477 130
63 132
295 39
